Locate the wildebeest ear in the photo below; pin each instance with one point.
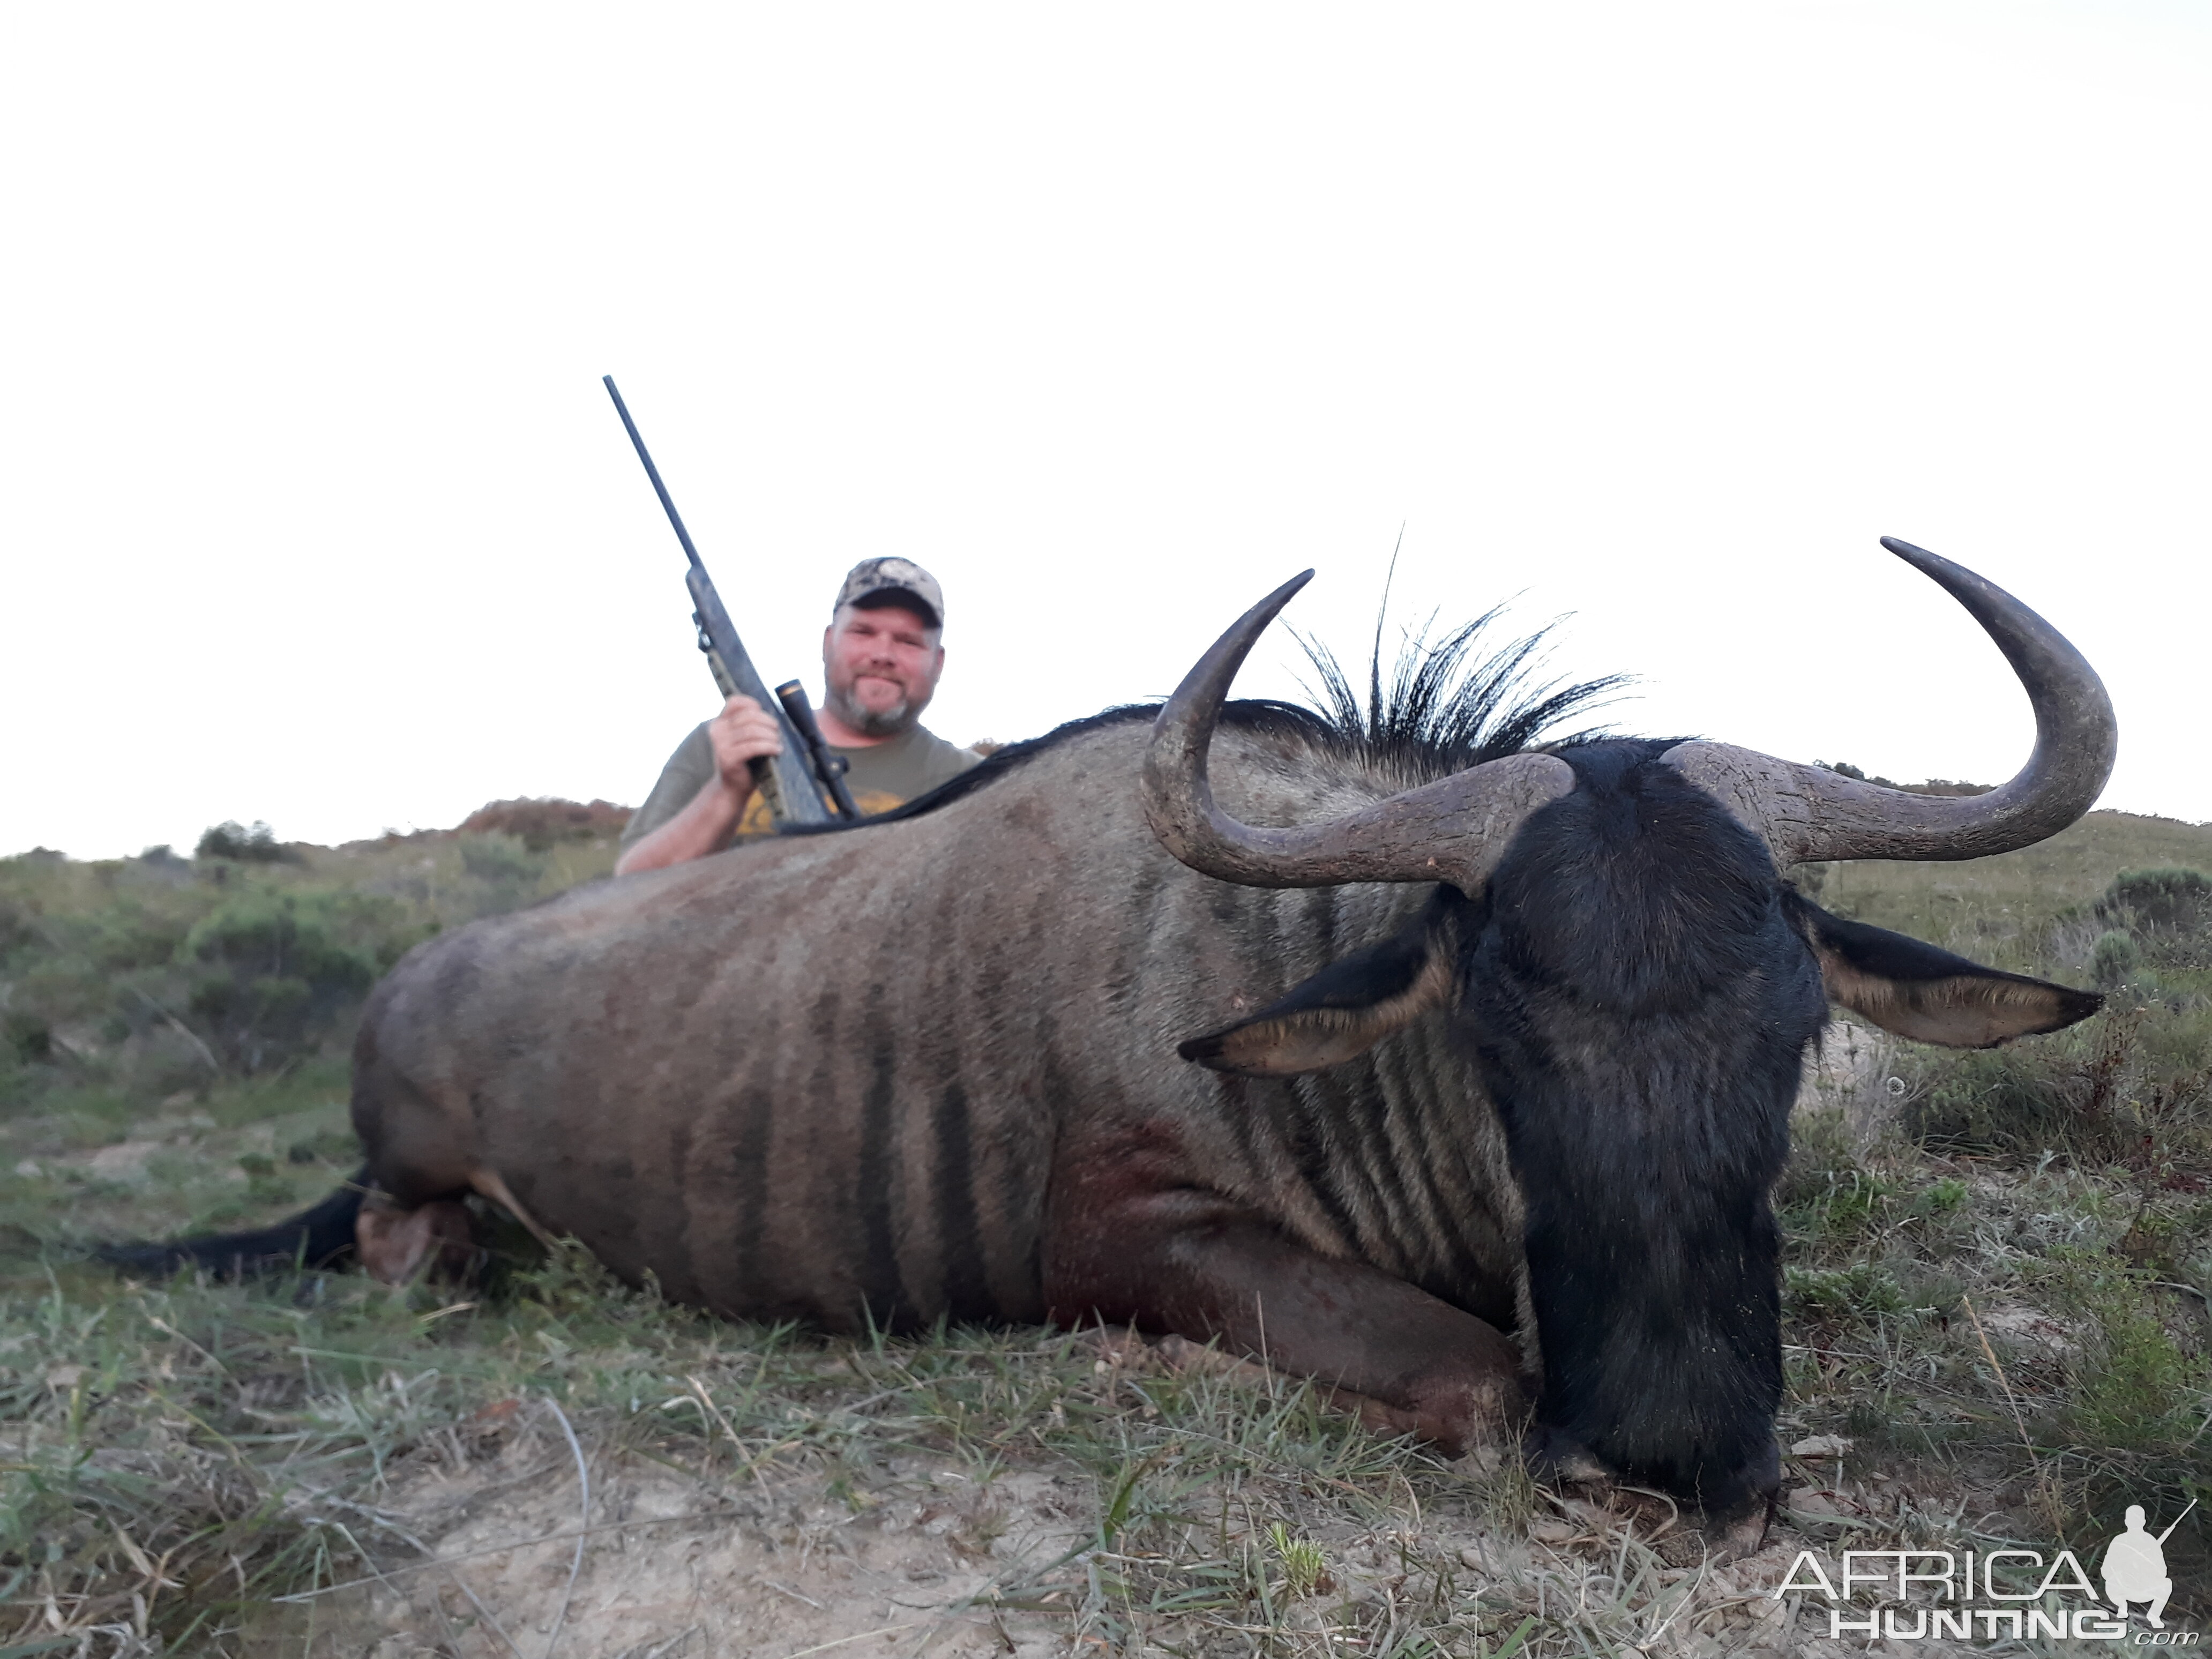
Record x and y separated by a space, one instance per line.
1341 1011
1930 995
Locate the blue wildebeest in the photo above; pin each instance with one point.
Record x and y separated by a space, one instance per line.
1234 1024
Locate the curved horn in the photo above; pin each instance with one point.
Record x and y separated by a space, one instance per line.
1454 830
1808 812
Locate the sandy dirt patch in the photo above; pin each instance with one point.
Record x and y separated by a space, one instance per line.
673 1567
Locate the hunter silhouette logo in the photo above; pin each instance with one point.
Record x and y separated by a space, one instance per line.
2134 1567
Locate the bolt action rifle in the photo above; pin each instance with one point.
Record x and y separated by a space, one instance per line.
794 782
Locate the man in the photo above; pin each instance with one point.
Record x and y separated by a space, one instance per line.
2134 1569
882 655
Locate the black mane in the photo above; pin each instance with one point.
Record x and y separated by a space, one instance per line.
1453 704
993 768
1444 707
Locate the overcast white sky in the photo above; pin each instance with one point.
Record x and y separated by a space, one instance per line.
315 512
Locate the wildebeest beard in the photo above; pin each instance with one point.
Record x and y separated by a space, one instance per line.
1638 1000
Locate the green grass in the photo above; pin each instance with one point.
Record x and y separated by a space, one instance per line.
1969 907
1996 1273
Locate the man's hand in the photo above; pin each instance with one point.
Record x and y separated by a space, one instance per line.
743 733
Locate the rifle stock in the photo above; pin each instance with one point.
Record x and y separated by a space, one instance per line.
787 779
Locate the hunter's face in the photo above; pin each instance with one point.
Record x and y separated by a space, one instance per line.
880 668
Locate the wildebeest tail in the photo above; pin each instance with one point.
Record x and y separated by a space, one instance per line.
311 1238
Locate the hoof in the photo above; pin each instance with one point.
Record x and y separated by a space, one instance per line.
1745 1535
400 1246
1680 1533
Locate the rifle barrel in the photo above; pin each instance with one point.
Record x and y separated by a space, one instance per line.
653 473
2178 1519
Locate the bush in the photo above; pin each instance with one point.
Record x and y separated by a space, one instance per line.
19 928
28 1037
538 824
510 873
2129 1088
2166 916
1943 1197
278 974
1933 786
2134 1387
2167 901
2016 1100
232 839
501 860
2114 960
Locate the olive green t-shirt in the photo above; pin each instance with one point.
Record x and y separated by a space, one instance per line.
881 776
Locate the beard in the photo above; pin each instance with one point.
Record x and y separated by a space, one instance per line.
894 721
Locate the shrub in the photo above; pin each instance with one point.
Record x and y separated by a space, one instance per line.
501 860
1933 786
126 935
510 873
539 824
278 975
2167 900
232 839
2131 1087
18 926
1943 1197
29 1038
1998 1100
2115 960
2134 1387
161 864
2169 913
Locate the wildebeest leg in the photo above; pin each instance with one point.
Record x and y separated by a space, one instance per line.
423 1156
1191 1263
419 1156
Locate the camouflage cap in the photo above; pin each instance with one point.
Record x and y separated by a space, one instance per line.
872 578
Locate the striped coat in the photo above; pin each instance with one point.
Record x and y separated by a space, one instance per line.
844 1078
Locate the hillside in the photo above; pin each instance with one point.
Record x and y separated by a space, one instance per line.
2003 899
1996 1292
